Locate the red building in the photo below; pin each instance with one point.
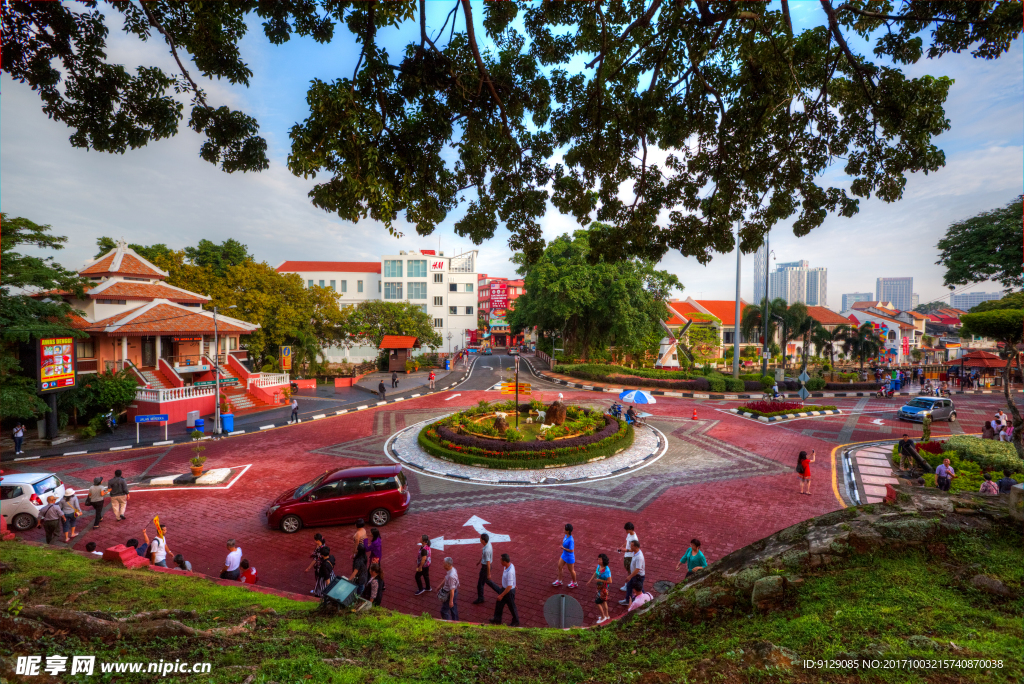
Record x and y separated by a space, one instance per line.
495 299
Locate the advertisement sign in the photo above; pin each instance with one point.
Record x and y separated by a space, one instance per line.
906 345
499 296
286 358
56 363
437 264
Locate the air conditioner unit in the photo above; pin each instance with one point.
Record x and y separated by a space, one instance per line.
402 252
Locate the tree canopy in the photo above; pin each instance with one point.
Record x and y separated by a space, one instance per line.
985 247
596 301
668 121
369 321
1010 301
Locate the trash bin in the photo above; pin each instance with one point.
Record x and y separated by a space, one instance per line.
190 418
227 422
447 364
199 424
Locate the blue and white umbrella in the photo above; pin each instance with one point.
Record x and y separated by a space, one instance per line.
636 397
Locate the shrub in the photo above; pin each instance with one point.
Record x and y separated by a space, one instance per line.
930 447
513 435
816 384
694 385
985 452
853 386
735 385
781 408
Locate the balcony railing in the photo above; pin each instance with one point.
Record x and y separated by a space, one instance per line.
268 380
159 396
88 365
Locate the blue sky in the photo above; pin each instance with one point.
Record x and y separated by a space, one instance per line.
165 193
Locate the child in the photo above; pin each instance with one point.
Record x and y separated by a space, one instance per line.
803 468
91 548
248 574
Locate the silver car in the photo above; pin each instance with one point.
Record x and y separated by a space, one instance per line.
939 408
22 495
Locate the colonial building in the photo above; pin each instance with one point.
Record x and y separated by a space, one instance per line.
495 298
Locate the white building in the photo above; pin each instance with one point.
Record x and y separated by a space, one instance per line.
444 287
969 300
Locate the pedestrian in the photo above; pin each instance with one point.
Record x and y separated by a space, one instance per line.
944 475
988 430
95 499
19 434
603 575
567 559
374 592
314 558
1006 482
431 377
627 559
140 551
358 536
988 487
359 565
423 566
486 554
1002 418
905 449
232 562
637 574
507 593
373 546
295 411
394 379
118 495
1007 434
247 575
382 391
72 511
694 558
324 571
50 518
803 469
448 594
182 564
91 549
158 547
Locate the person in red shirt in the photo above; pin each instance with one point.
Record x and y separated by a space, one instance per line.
432 376
248 574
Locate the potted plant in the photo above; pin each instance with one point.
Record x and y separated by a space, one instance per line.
197 461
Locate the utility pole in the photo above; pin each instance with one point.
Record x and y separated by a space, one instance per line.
517 391
216 374
736 319
766 311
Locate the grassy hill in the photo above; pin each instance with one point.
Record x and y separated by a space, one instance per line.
883 582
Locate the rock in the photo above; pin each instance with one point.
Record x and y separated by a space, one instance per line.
744 579
766 654
768 592
795 581
990 585
501 425
555 414
937 550
922 643
1017 502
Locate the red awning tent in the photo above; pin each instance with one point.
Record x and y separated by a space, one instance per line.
978 359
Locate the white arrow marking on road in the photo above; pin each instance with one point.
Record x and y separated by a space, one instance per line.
453 396
877 421
477 524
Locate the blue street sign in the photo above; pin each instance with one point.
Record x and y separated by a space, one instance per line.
154 418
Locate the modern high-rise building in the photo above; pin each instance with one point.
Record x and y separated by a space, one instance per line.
760 271
817 287
849 299
795 281
969 300
899 291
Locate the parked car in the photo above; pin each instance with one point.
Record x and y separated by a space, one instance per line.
375 493
488 352
22 495
940 408
512 351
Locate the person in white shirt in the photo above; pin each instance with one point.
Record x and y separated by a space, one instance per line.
507 597
637 571
627 559
230 570
157 548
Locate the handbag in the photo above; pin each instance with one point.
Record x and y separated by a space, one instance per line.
442 594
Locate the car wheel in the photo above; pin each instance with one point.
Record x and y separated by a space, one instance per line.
952 417
380 517
291 524
23 522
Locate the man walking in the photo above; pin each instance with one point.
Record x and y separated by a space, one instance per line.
118 495
485 570
230 570
507 595
637 571
627 559
51 518
449 593
19 432
95 499
394 379
295 411
382 391
431 377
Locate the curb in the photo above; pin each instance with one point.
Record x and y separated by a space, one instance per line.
788 416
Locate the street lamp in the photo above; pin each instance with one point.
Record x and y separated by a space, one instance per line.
766 313
449 343
216 370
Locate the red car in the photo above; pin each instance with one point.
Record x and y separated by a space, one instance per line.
373 493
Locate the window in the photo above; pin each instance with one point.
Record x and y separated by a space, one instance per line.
327 491
358 485
453 310
333 285
418 290
438 322
359 285
310 284
321 283
378 286
10 492
344 285
46 485
85 349
383 484
469 311
439 277
392 268
417 268
422 307
392 290
438 301
453 287
469 287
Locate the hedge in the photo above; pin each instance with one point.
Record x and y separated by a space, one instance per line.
600 372
985 452
853 386
801 409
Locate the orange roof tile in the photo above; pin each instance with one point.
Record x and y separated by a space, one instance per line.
151 319
723 309
826 316
330 266
126 289
130 265
399 342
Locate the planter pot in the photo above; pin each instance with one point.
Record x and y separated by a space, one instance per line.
196 470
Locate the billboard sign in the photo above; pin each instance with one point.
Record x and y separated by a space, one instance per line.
437 264
56 363
499 296
286 358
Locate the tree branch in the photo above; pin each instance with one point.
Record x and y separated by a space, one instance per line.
896 17
833 25
481 67
174 51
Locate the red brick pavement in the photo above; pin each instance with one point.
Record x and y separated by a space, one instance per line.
724 514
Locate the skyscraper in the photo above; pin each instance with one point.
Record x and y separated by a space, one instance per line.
899 291
915 300
817 287
760 271
849 299
969 300
796 281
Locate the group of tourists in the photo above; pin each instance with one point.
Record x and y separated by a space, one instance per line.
999 428
366 548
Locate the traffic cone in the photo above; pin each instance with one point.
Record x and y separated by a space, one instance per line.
695 413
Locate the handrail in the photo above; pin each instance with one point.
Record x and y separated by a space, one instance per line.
160 396
168 370
139 377
267 380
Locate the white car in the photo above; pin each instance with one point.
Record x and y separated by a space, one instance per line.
22 495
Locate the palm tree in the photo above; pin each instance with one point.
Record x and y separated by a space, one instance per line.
753 318
861 343
308 352
829 341
799 326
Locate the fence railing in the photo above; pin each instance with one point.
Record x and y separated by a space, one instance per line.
159 396
268 380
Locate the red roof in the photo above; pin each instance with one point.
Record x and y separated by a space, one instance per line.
126 289
979 359
130 265
399 342
722 309
151 319
826 316
330 266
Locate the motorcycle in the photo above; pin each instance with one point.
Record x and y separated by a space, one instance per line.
110 421
616 410
295 387
885 392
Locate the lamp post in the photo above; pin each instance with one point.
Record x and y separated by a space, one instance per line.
449 343
736 316
766 313
216 371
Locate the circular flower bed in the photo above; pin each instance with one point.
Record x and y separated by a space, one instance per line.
585 435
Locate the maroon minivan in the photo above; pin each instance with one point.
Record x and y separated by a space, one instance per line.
373 493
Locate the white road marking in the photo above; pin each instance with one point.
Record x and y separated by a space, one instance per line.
458 394
477 524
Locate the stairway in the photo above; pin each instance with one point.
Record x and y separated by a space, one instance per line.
155 379
240 400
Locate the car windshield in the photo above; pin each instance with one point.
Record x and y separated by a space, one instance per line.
302 490
920 403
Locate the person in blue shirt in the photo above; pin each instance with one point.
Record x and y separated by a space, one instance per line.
694 557
603 575
568 559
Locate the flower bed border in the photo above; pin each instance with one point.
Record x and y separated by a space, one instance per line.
775 418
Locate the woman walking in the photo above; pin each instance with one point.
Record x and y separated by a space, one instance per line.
315 559
373 546
95 499
72 511
803 469
603 575
374 591
359 565
423 566
324 572
567 559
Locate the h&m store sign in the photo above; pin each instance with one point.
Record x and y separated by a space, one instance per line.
437 264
